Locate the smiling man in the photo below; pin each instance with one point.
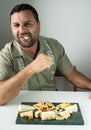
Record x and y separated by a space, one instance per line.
25 28
29 61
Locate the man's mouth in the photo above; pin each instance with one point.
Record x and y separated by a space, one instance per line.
25 36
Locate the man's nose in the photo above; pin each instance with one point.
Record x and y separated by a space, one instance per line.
22 28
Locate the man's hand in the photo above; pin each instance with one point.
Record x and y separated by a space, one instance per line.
41 63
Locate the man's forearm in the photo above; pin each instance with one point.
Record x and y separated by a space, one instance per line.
11 87
79 79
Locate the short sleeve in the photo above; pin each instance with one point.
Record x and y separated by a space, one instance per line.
6 70
64 64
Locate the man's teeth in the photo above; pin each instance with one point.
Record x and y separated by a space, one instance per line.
26 37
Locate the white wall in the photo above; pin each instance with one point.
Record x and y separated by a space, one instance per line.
69 21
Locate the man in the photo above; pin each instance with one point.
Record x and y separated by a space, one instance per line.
30 61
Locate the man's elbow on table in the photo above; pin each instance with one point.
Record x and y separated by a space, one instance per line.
78 79
2 100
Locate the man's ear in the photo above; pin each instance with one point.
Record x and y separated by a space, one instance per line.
39 26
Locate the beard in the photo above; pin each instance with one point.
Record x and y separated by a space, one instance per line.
26 42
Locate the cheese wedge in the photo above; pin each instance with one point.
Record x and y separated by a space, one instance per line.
59 117
72 108
23 107
63 105
48 115
64 114
28 114
37 114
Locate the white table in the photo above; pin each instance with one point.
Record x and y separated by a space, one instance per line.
8 112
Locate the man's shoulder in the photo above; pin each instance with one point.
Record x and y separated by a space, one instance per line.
9 48
54 43
50 39
9 45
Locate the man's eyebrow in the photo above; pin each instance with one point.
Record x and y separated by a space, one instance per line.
29 21
15 23
18 22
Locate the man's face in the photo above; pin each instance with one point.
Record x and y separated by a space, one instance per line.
25 28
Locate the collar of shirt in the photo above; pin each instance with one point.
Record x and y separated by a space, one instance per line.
19 52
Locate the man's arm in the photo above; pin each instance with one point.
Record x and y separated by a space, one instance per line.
78 79
11 87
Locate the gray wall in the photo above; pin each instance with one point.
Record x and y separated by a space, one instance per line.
5 8
69 21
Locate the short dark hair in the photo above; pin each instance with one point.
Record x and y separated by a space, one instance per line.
22 7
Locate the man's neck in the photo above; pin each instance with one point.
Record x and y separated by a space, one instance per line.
32 51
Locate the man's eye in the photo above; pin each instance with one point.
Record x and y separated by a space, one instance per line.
16 25
28 24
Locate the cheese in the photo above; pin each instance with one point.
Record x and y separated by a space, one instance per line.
64 114
59 117
28 114
23 107
48 115
72 108
37 114
63 105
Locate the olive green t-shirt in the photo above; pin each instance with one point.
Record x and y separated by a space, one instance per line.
13 59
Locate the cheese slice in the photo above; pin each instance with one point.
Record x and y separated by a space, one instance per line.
63 105
28 114
72 108
48 115
59 117
23 107
64 114
37 114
